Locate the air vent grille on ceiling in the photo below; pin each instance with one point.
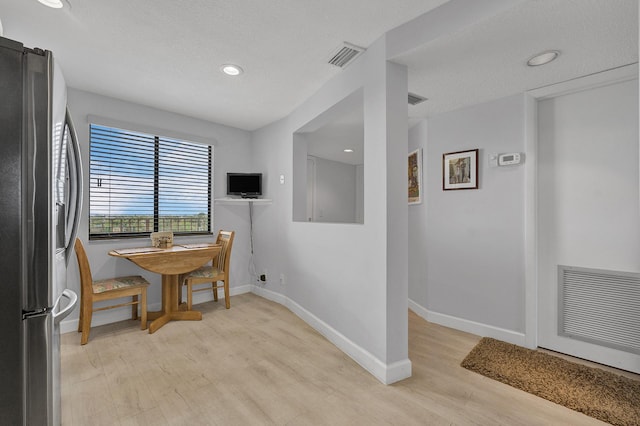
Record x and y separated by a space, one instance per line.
345 54
416 99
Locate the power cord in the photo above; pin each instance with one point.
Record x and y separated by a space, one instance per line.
252 266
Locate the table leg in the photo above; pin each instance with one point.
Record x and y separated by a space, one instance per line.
170 309
178 313
164 316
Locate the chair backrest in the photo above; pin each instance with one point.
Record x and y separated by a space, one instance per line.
86 280
225 239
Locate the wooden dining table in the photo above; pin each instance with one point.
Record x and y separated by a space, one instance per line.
170 263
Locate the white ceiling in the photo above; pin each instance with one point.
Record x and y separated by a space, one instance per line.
167 53
487 61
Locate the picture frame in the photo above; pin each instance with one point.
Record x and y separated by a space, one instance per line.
460 170
414 175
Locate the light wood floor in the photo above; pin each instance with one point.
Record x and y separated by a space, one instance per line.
259 364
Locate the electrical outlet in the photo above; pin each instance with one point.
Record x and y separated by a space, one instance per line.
263 277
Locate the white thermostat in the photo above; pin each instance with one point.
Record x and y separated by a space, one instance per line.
509 159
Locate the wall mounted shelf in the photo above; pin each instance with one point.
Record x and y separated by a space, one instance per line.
231 201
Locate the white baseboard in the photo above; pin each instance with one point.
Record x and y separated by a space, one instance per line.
386 373
468 326
269 294
123 314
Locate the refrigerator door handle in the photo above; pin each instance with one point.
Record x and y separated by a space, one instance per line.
75 182
73 299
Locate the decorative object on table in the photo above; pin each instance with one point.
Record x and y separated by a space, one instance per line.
162 239
460 170
414 174
595 392
111 288
212 274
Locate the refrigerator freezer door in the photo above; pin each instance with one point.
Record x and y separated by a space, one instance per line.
38 355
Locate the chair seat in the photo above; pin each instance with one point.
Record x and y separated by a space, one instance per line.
206 271
100 286
214 273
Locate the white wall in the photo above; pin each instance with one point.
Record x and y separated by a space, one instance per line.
347 280
335 191
232 152
418 224
467 246
360 193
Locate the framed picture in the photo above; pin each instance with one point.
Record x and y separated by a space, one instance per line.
460 170
414 172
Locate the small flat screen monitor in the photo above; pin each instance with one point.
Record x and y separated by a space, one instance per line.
246 185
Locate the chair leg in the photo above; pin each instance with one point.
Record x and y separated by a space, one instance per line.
134 308
143 309
215 290
189 295
227 299
86 324
81 316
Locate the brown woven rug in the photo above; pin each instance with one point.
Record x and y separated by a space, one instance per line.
597 393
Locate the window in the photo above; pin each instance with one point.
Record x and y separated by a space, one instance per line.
141 183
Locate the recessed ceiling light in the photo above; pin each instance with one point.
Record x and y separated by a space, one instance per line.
56 4
348 150
543 58
231 69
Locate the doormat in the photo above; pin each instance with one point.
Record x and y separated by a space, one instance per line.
597 393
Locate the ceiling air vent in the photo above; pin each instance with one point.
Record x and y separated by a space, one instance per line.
345 54
416 99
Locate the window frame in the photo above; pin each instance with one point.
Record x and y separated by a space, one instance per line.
157 176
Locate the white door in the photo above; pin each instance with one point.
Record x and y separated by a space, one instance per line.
589 217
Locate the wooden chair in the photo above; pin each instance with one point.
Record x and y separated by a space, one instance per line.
214 273
111 288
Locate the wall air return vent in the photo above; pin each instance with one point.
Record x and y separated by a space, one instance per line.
416 99
601 307
345 54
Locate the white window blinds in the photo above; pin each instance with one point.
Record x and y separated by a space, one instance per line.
140 183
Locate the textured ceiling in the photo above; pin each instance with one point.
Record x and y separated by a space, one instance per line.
487 60
167 53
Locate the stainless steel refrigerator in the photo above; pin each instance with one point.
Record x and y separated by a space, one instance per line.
40 202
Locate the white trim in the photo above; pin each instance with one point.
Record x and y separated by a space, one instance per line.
531 221
269 294
123 314
385 373
602 78
143 128
468 326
